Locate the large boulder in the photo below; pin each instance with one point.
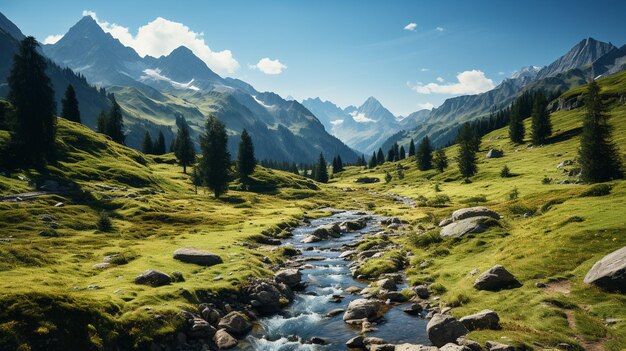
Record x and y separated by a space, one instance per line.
350 226
493 153
153 278
495 279
477 211
201 329
235 323
387 284
327 230
197 256
465 226
610 272
454 347
362 308
223 340
291 277
415 347
443 329
496 346
485 319
267 296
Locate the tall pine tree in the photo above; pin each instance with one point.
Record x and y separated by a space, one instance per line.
541 125
215 163
31 93
411 148
380 157
101 123
146 146
440 160
373 161
69 105
599 157
402 153
159 145
516 124
467 150
424 155
321 170
183 146
245 157
115 122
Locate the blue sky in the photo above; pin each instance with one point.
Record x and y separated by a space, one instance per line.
346 51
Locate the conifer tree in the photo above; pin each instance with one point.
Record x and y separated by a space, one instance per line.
402 153
380 157
467 151
69 105
373 161
245 157
101 123
321 171
411 148
424 155
32 96
599 157
159 145
215 163
183 147
440 160
115 123
196 178
516 125
390 155
541 126
146 146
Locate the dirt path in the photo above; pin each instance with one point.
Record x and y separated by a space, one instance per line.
588 345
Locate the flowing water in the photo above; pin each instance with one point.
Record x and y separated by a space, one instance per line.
306 316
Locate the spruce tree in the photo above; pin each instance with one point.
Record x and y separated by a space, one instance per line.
599 157
340 163
402 153
101 123
115 123
245 157
69 105
541 126
380 157
440 160
467 151
32 96
183 147
516 124
424 155
373 161
146 146
390 155
159 145
411 148
321 171
215 163
196 178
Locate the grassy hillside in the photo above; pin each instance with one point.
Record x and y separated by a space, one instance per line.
558 240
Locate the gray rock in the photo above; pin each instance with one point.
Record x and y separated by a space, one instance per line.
565 163
414 309
473 345
327 230
291 277
153 278
477 211
350 226
235 323
59 204
368 341
200 329
310 239
317 341
197 256
362 308
355 343
465 226
387 284
610 272
493 153
443 329
335 312
382 347
223 340
445 222
485 319
415 347
495 279
454 347
102 265
421 291
496 346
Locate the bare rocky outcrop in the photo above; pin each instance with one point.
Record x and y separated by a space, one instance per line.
153 278
609 273
485 319
496 278
443 329
197 256
362 309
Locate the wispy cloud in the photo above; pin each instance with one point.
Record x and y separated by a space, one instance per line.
424 69
361 117
468 82
425 106
269 66
51 39
439 29
162 36
411 26
439 79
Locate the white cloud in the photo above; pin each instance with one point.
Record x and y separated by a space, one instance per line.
501 73
162 36
155 74
424 70
426 106
439 29
336 122
411 26
268 66
51 39
439 79
469 82
361 117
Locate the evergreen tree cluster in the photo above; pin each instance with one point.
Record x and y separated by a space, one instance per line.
215 162
424 155
156 147
469 144
337 164
321 170
182 145
112 123
286 166
246 163
69 105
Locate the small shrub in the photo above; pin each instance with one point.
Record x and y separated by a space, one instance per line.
548 205
597 190
458 300
440 251
425 239
546 180
388 177
437 288
400 172
467 181
371 206
437 188
505 172
514 194
521 209
474 199
104 222
573 219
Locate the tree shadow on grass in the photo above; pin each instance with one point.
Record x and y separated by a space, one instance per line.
568 134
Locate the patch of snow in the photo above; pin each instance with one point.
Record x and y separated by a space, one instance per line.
360 117
261 102
155 74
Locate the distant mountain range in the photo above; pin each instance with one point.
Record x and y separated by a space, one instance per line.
153 92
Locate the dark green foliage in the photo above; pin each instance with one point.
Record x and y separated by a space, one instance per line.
411 148
104 222
521 209
402 153
505 172
388 177
245 157
541 125
183 146
69 105
400 172
424 155
101 123
159 145
373 161
425 239
441 160
337 164
516 125
31 94
514 194
468 146
196 179
393 154
285 166
321 170
598 155
380 157
146 145
215 163
115 122
597 190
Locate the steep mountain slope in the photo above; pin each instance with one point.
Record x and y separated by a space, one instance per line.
158 90
582 54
